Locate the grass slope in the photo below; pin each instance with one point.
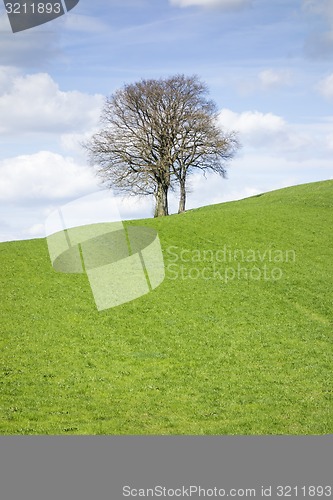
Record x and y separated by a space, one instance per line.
196 355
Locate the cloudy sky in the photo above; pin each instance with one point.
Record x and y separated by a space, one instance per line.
268 64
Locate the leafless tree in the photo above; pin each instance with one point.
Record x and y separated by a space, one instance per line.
157 132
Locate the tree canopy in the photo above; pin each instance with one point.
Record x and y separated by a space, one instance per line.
155 133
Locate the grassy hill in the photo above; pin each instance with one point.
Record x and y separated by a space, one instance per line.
236 340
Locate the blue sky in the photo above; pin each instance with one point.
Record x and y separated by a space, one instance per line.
268 64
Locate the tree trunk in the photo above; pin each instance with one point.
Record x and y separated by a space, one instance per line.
182 198
161 197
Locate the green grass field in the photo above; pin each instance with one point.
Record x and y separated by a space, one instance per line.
218 348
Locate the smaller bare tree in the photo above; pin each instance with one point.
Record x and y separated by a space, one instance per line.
200 142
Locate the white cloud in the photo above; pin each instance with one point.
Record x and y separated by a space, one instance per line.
35 231
325 87
267 131
7 75
255 127
43 176
223 4
72 142
269 78
34 103
271 133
